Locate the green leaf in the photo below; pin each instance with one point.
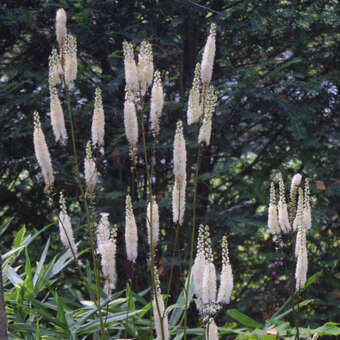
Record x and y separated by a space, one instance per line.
244 319
329 328
41 262
131 303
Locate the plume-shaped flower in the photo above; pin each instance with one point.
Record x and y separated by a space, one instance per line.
157 102
199 263
65 228
90 169
131 236
41 153
145 66
57 116
208 56
205 130
194 111
131 75
55 70
302 258
152 221
70 60
130 122
178 201
227 281
283 210
98 122
60 27
299 212
107 248
273 223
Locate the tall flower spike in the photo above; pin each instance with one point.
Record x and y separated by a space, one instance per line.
98 122
107 248
212 331
145 66
131 75
161 319
55 69
130 123
194 107
157 102
41 153
302 258
205 130
299 213
90 169
131 235
283 210
153 222
227 281
65 228
209 273
208 56
198 267
70 60
60 27
180 161
296 180
57 117
307 211
273 223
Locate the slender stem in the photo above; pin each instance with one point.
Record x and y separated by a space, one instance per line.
152 249
87 213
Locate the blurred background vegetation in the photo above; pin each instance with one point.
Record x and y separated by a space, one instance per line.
277 74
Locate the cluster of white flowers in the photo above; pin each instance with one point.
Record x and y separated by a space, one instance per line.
194 112
208 56
130 122
98 121
90 169
152 222
107 248
279 222
131 235
157 103
57 117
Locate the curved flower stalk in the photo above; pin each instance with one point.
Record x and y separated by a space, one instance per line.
107 248
60 27
98 122
145 67
65 228
154 212
205 130
273 222
227 282
70 60
42 154
57 117
90 170
131 75
131 235
208 56
157 103
194 111
180 161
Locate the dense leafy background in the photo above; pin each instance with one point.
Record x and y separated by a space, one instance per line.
277 75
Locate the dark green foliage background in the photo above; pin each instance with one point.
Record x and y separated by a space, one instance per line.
277 75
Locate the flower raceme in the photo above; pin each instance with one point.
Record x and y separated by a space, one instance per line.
98 121
131 236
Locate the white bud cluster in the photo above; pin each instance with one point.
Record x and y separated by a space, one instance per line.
152 222
205 130
302 258
299 212
65 228
107 248
57 117
179 188
131 235
227 281
130 122
283 209
98 121
157 103
60 27
145 67
194 111
198 267
55 69
70 60
131 75
208 56
41 153
273 222
90 169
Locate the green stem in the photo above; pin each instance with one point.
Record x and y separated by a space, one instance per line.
152 249
87 213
